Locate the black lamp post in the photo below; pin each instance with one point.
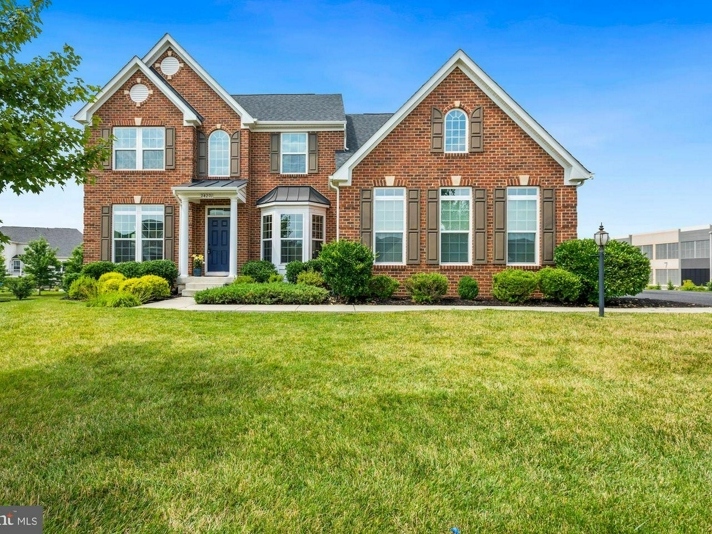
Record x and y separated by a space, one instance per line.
601 239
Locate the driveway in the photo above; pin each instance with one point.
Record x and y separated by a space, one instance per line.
694 297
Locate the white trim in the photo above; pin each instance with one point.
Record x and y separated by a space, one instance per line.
467 133
440 230
574 172
298 126
290 208
167 42
405 224
205 252
537 237
84 115
197 194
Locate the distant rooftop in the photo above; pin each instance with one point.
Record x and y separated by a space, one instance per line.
65 239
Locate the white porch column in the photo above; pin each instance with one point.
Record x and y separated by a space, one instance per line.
183 237
233 236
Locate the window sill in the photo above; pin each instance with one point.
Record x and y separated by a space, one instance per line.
390 266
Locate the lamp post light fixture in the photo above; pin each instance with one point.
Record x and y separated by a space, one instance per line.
601 238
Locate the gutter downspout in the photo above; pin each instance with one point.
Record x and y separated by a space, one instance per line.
338 207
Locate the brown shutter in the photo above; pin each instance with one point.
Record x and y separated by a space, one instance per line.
235 154
413 242
274 152
548 225
106 136
367 217
480 226
170 149
105 251
436 131
500 227
168 239
202 154
432 245
313 154
476 134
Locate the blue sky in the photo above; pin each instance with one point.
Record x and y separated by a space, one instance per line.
626 86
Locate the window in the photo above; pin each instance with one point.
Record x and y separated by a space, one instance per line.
267 237
694 249
294 153
455 131
16 266
138 233
389 224
663 276
139 148
317 233
666 251
455 225
291 237
219 154
647 251
522 225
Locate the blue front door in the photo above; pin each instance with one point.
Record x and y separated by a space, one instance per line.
218 244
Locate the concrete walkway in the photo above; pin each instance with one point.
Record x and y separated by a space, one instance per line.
188 303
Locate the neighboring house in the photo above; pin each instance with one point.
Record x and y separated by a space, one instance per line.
676 255
459 180
63 239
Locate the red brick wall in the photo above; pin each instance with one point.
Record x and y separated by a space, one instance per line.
508 153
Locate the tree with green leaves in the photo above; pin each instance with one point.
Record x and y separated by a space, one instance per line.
37 148
76 261
3 272
41 262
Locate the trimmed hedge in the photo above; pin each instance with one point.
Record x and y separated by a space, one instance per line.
260 270
514 285
382 287
243 279
468 288
166 269
559 285
311 278
426 288
275 293
97 268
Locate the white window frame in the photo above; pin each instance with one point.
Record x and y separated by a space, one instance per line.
282 153
537 236
264 239
469 229
137 211
445 132
16 266
276 211
405 222
211 156
138 148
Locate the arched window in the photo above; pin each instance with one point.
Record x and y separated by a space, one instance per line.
219 154
455 131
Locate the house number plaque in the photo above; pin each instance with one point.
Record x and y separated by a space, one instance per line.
206 195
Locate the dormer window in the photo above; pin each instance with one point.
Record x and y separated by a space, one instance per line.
455 131
219 154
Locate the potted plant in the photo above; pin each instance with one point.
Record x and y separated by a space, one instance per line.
198 264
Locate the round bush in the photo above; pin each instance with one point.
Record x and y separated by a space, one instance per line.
559 285
97 268
130 269
468 288
243 279
21 286
347 266
514 285
110 286
146 288
311 278
260 270
166 269
83 288
626 269
426 288
382 287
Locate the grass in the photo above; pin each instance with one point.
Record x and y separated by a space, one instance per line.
138 420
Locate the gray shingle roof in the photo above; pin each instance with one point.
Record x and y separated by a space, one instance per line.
303 193
293 108
65 239
359 129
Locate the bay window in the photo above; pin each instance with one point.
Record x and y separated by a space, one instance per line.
291 233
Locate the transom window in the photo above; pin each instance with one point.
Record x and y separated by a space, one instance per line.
455 225
139 148
294 153
389 224
456 131
522 225
219 154
138 233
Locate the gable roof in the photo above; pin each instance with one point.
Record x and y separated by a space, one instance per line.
574 172
65 239
84 115
167 42
294 108
359 129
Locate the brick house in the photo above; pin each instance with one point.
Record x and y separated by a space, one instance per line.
460 180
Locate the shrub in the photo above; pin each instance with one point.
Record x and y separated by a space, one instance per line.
382 287
311 278
709 285
426 288
296 267
146 288
129 269
346 266
626 269
243 279
166 269
514 285
275 279
68 279
670 285
468 288
117 299
21 286
689 285
559 285
653 286
260 270
96 269
278 293
83 288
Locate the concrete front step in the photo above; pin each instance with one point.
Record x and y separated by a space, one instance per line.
192 284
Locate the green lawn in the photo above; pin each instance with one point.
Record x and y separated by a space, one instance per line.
140 420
